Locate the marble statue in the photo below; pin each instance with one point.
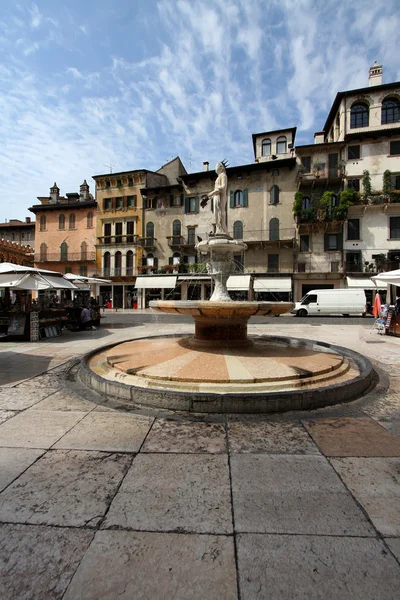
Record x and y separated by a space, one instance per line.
220 200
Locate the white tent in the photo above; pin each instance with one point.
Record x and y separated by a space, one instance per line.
390 277
87 280
19 277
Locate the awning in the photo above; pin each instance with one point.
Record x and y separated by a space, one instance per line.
362 283
390 277
153 282
238 283
58 283
196 276
34 281
273 284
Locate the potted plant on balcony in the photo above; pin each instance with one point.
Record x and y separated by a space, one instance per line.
318 168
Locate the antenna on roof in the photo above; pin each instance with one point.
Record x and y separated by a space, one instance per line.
190 161
109 167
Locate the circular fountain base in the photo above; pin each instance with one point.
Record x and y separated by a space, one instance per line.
272 375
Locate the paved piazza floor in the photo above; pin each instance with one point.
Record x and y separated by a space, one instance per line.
97 502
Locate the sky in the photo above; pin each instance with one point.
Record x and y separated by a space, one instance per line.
89 86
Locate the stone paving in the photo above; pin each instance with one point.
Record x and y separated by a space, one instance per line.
101 502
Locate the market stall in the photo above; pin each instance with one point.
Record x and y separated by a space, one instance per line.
23 317
391 310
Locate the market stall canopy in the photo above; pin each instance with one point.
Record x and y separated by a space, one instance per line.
19 277
273 284
238 283
362 283
390 277
87 280
153 282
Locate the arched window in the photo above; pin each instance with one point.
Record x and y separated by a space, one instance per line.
84 251
390 111
118 263
176 258
359 115
89 220
274 230
306 203
150 233
238 230
43 252
106 264
43 223
71 222
129 262
61 222
274 195
238 198
176 232
281 145
150 260
64 251
266 147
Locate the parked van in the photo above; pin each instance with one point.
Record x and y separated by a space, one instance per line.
328 302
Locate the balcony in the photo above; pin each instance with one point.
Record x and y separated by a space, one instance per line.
147 242
280 238
66 258
307 264
178 241
118 240
117 272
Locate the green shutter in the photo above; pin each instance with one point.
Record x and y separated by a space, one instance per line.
155 264
340 241
232 200
245 198
170 260
196 204
187 204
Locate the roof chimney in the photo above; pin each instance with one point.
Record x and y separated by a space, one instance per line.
375 75
27 219
54 194
206 164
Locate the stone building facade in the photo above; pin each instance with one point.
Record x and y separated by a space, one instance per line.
15 253
21 232
65 231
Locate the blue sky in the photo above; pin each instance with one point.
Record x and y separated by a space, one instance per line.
132 83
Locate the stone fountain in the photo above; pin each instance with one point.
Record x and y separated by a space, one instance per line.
220 369
220 321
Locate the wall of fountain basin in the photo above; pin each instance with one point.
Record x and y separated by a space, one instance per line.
271 374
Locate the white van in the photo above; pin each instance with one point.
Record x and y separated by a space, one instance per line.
328 302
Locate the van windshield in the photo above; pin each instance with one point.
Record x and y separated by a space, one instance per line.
309 298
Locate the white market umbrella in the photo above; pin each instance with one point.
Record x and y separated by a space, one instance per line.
20 277
83 279
390 277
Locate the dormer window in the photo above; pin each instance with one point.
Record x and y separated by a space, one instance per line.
281 145
359 115
266 147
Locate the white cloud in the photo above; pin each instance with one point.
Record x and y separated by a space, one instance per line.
36 16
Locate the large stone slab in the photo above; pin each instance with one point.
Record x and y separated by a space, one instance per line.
64 488
20 399
135 565
350 436
38 562
174 492
65 400
111 432
375 482
14 461
285 437
6 414
286 567
36 429
169 435
386 408
292 494
394 545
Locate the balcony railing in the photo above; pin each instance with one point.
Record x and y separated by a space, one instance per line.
318 265
118 239
70 257
270 237
178 241
117 272
147 242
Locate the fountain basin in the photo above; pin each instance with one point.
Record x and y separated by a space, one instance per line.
221 323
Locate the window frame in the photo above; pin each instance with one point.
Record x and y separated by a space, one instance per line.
107 203
61 221
43 223
89 220
119 203
270 267
71 221
384 111
264 144
279 141
238 225
64 252
350 226
391 145
273 229
303 245
392 228
306 163
359 115
351 148
274 193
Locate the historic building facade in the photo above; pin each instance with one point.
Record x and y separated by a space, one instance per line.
21 232
65 231
15 253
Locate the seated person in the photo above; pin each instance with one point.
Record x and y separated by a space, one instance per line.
86 319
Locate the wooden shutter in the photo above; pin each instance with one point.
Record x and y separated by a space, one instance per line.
144 261
187 205
124 202
232 199
196 204
245 198
171 260
340 241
